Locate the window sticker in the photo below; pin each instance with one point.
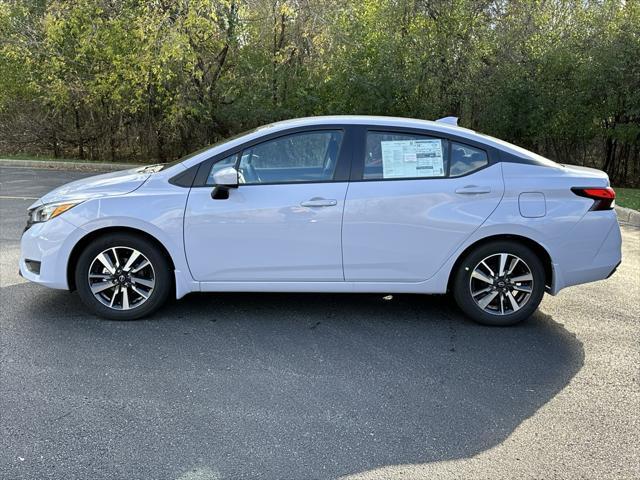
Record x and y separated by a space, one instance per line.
412 158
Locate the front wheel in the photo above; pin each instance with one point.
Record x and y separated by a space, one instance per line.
500 283
122 276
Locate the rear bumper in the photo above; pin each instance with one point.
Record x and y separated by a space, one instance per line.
593 254
614 269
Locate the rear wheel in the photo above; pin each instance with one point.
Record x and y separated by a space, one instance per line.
500 283
122 276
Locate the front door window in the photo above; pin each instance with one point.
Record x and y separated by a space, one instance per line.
296 158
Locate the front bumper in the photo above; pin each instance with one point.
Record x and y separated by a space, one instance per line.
49 243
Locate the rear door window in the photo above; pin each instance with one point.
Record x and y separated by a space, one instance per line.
391 155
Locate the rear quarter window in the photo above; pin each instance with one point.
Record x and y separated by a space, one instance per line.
466 159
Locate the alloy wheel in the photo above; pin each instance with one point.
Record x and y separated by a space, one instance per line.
121 278
501 284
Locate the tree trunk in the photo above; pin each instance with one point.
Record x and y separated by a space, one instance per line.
80 140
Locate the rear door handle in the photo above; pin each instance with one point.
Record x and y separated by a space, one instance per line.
473 190
319 202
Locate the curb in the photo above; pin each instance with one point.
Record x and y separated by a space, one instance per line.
64 165
628 216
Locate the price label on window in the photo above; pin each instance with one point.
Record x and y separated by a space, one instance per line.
412 158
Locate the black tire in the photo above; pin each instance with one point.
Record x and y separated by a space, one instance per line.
161 275
462 286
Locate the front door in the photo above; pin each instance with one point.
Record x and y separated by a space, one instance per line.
282 223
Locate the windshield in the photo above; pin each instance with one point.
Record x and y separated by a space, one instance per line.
204 149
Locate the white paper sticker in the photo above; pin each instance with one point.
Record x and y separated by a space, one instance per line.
412 158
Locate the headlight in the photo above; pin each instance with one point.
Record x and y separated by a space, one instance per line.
47 212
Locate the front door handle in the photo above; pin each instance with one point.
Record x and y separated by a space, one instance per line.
473 190
319 202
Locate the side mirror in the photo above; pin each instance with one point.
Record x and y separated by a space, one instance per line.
224 179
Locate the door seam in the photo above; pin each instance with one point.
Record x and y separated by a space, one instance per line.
344 207
184 240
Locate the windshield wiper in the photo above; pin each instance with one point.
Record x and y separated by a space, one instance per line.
151 168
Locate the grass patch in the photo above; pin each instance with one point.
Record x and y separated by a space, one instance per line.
19 156
628 197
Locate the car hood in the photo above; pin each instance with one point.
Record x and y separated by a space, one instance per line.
108 184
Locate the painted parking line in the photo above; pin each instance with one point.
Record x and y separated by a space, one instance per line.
8 197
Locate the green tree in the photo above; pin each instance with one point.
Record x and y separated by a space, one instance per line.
155 80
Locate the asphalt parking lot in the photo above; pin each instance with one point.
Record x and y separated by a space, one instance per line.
300 386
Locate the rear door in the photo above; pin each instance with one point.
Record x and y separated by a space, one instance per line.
413 198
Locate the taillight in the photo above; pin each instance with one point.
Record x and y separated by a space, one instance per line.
603 197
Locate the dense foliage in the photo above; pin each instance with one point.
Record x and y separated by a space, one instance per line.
153 80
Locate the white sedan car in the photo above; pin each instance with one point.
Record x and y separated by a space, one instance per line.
331 204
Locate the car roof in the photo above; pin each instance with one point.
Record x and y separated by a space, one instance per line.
371 120
432 126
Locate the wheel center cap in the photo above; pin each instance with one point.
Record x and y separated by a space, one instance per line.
501 284
122 278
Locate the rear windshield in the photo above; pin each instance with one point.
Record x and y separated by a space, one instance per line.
519 151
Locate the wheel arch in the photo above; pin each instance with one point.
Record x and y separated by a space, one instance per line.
537 248
91 236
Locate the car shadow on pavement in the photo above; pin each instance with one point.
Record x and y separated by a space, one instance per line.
272 385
